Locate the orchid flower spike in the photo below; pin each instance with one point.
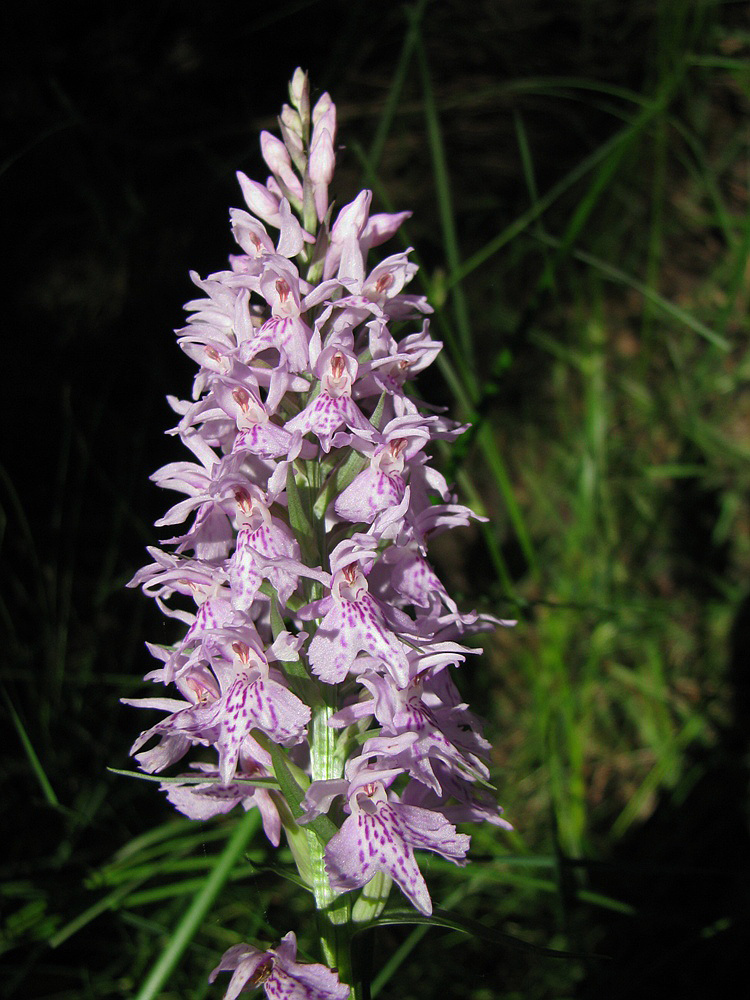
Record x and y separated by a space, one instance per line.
313 674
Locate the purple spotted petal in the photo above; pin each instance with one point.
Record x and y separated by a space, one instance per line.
203 801
414 579
431 831
371 492
351 627
246 572
216 612
256 704
244 575
212 799
282 977
304 982
266 440
325 415
246 962
288 334
168 751
373 841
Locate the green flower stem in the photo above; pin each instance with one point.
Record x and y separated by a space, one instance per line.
334 912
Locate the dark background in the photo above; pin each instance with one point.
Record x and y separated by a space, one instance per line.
123 126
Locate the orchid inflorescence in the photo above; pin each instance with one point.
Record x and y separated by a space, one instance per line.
315 663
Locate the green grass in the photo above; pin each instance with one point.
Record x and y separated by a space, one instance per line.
596 336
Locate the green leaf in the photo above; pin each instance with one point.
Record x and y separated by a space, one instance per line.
373 898
339 479
193 918
377 413
671 309
298 840
33 758
300 510
268 590
446 211
299 679
450 921
294 793
190 779
111 901
281 871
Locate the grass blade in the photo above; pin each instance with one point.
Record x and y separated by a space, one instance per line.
36 765
188 927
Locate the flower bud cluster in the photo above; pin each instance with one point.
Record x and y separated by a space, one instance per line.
306 512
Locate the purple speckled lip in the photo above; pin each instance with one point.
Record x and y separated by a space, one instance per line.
279 973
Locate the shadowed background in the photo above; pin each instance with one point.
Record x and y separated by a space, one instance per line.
583 168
